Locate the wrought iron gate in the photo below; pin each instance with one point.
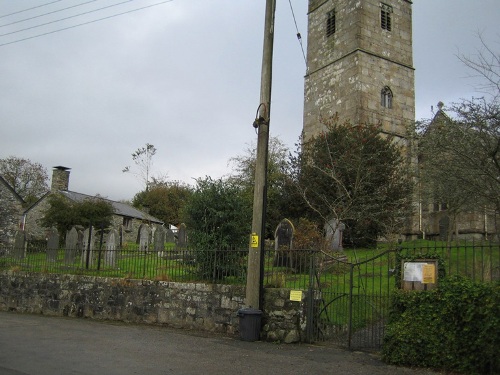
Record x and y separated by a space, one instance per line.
350 301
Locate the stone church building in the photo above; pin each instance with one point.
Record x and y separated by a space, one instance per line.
360 70
360 64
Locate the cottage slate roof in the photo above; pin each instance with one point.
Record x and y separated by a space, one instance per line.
11 189
121 209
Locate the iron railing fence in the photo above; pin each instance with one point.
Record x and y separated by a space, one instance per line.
172 264
474 259
295 269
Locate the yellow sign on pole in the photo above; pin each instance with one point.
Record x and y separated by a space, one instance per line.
296 295
254 240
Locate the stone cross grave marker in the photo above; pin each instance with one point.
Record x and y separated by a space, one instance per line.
52 245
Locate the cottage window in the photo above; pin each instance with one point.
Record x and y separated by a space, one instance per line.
385 17
386 97
127 223
330 23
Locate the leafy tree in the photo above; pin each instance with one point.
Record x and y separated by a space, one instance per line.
64 213
165 200
357 176
143 159
281 196
28 179
218 218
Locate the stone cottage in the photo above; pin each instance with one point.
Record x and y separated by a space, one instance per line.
11 209
130 218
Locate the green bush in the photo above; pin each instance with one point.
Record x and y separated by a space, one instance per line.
455 327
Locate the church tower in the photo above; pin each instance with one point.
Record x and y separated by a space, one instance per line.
360 64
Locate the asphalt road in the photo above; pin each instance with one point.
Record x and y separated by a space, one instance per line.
40 345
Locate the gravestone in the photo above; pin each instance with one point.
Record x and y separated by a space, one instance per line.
71 246
169 235
88 247
52 245
283 243
110 255
182 236
444 225
334 230
144 233
20 245
159 240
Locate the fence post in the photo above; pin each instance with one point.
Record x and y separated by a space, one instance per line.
310 302
349 324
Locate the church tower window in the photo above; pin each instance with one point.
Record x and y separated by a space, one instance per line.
385 17
330 23
386 97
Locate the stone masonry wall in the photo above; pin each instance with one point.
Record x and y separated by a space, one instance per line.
205 307
10 215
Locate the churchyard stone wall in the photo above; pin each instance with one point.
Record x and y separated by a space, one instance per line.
208 307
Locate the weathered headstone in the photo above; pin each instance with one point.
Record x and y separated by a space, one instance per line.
112 241
182 236
20 245
88 247
52 245
169 235
334 230
144 233
71 246
444 224
283 243
159 240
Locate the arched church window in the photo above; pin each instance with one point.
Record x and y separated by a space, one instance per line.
386 97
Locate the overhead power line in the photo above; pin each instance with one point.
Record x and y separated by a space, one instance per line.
25 10
66 18
299 37
80 24
46 14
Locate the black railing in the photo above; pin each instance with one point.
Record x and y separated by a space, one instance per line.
294 269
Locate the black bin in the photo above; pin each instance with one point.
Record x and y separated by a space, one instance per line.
250 323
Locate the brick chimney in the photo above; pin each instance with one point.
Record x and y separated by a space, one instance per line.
60 178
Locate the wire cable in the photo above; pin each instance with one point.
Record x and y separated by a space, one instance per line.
299 37
85 23
46 14
66 18
25 10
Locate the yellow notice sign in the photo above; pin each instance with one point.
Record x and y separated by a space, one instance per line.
296 295
428 274
254 240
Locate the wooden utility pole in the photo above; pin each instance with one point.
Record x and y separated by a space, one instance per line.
256 247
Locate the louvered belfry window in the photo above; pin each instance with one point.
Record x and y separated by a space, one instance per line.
385 17
330 23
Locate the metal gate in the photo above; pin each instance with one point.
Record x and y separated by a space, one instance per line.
350 301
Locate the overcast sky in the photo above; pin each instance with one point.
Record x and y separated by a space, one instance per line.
184 76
